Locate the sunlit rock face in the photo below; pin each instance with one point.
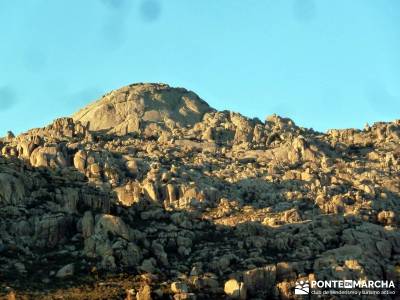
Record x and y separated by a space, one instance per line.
152 186
128 109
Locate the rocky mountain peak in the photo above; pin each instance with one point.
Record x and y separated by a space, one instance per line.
126 109
196 204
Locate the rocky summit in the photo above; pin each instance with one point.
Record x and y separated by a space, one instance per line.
149 193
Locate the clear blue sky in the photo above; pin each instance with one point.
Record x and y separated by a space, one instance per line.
325 64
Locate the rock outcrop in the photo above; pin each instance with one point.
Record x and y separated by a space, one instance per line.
132 108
